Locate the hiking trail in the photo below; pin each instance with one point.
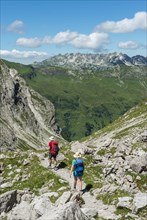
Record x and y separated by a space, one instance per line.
64 173
90 200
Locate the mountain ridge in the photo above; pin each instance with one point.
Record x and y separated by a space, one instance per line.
94 61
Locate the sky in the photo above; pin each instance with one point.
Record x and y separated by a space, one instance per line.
34 30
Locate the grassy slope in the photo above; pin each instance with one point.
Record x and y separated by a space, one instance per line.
85 104
37 176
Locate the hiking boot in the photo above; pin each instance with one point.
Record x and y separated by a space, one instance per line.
74 189
55 168
49 166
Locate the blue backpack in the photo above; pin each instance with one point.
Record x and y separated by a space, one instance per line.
79 166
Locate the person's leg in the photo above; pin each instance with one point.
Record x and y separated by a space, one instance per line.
54 161
80 182
49 160
75 182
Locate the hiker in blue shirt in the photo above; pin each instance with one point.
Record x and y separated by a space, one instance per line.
77 169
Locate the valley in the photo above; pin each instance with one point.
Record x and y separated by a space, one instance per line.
87 99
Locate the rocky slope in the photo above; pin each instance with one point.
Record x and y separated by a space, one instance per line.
93 61
114 179
27 119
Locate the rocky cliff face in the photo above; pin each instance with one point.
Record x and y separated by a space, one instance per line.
27 119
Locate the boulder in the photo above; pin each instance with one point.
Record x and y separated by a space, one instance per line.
139 163
140 201
69 211
8 200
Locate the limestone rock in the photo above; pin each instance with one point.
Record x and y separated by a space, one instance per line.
140 201
27 119
70 211
8 200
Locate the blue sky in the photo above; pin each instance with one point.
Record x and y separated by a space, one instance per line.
35 30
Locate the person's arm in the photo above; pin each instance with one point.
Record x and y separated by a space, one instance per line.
72 169
50 145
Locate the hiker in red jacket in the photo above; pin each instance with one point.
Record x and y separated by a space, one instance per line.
53 152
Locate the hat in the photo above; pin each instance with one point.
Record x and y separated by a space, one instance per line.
51 138
77 155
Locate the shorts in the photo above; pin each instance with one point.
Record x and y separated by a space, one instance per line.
52 156
77 174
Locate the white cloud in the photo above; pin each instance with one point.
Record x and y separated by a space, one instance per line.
139 21
22 54
128 45
17 27
92 41
64 37
60 38
29 42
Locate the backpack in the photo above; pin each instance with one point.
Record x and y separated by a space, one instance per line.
79 166
55 148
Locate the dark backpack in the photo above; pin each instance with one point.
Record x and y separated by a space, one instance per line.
55 148
79 166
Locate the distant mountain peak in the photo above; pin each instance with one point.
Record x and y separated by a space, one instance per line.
89 60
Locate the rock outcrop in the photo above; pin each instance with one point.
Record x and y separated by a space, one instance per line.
27 119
